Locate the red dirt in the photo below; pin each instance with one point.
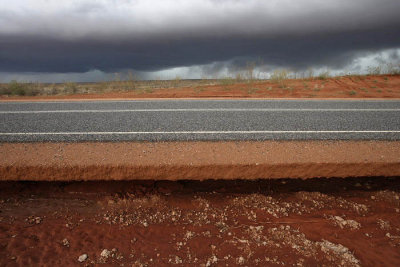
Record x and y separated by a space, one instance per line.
197 160
330 222
382 86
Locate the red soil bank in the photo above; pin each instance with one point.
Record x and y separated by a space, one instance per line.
197 160
289 222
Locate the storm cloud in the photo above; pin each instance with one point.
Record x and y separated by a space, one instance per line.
38 36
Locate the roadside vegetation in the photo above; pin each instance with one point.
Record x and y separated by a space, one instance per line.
15 88
248 80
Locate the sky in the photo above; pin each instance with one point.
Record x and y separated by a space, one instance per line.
88 40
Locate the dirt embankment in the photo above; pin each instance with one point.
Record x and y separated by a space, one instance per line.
381 86
197 160
288 222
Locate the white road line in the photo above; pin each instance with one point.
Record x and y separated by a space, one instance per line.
88 101
200 110
196 132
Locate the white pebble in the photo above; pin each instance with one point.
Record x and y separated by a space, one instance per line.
82 257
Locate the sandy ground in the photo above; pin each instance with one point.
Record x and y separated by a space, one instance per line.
286 222
382 86
197 160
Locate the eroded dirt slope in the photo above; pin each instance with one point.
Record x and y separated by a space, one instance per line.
332 222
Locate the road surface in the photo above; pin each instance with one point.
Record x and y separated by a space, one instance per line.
173 120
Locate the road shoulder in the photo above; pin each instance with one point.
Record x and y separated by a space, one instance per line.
92 161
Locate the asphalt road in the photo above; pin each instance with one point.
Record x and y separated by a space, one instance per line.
166 120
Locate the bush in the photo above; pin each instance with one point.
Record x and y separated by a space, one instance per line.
393 69
16 88
71 88
279 76
352 92
21 89
324 75
375 70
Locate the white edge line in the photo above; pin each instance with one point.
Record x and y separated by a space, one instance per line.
196 110
193 132
383 100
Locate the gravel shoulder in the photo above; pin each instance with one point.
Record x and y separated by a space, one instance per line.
197 160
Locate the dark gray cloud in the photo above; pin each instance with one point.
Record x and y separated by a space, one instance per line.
79 36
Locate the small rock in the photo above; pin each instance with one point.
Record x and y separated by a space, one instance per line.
105 253
178 260
65 242
240 260
82 257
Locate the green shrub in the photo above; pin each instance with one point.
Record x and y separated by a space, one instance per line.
20 89
352 92
16 88
324 75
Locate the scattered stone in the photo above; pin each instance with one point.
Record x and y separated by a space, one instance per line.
105 253
384 225
392 236
342 223
348 259
113 253
82 257
137 263
189 235
211 261
65 242
33 220
240 260
176 260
